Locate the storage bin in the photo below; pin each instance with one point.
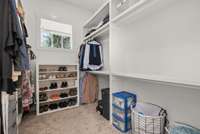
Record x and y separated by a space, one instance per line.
121 110
124 99
121 113
148 119
121 125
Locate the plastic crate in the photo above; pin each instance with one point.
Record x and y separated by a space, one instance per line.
121 110
124 115
124 99
121 125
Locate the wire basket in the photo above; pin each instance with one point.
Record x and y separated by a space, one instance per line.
148 119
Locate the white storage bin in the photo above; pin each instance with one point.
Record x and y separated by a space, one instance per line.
148 119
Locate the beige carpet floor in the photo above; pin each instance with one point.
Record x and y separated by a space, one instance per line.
81 120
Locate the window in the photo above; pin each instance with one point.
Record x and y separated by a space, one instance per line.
55 35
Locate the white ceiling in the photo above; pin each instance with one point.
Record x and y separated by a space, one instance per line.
91 5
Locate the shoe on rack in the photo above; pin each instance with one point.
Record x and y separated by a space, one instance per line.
64 95
51 86
43 97
73 92
63 104
55 85
64 84
55 97
53 106
44 108
64 68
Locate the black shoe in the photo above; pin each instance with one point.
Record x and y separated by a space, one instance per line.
63 95
53 106
63 104
51 86
64 84
55 85
60 69
72 102
64 68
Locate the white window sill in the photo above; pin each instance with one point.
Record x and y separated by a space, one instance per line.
55 50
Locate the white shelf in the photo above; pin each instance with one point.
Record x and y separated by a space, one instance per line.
99 72
59 109
53 100
71 69
138 9
98 16
58 89
171 81
47 72
58 79
98 32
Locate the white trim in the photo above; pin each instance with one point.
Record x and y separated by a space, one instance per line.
62 37
55 26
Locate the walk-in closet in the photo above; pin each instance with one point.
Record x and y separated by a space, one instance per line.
99 67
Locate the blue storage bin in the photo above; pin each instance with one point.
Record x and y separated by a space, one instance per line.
121 110
121 125
124 99
121 113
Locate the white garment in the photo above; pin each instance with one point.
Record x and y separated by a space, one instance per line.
5 103
86 57
148 109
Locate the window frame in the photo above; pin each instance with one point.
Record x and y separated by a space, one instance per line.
62 34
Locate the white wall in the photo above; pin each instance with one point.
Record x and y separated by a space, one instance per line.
181 103
164 43
57 11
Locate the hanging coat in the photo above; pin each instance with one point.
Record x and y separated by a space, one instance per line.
91 56
12 45
90 89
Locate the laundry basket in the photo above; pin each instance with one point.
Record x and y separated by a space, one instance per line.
148 119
